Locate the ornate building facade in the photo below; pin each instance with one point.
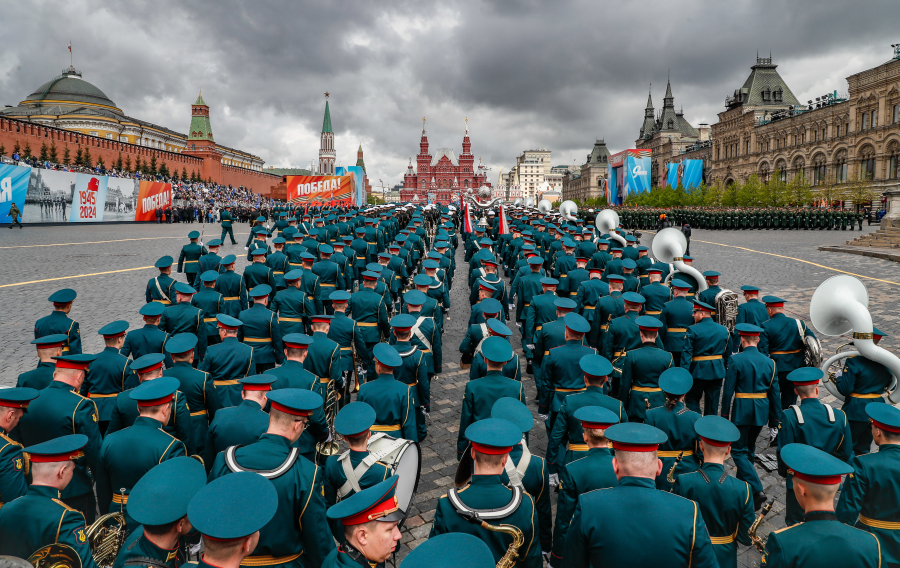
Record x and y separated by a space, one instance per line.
442 174
326 144
588 182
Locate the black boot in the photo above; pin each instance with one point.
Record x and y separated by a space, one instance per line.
528 368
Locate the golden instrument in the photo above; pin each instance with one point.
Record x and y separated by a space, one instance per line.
671 476
726 304
837 364
647 403
512 551
55 556
758 541
330 447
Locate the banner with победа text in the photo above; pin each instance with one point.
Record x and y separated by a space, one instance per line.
320 190
152 195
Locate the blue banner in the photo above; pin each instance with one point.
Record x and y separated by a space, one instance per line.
13 189
89 198
637 175
692 175
672 175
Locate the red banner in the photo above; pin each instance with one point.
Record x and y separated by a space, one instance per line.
151 196
320 190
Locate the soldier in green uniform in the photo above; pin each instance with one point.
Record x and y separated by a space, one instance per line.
813 423
188 260
59 411
605 523
242 424
370 312
258 242
551 334
211 260
257 273
413 371
158 505
525 289
623 333
278 262
750 400
149 338
641 367
608 308
300 526
784 344
725 503
863 382
344 331
232 287
225 217
752 311
159 289
561 369
291 304
40 518
182 317
197 387
488 499
592 471
210 303
126 455
13 464
261 331
706 351
59 321
48 347
324 359
391 399
820 540
655 293
228 361
109 373
678 452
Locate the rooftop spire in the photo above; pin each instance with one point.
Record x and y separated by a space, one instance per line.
668 100
326 123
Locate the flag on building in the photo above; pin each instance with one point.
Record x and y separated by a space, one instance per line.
504 224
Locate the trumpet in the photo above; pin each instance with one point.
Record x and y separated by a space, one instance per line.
758 541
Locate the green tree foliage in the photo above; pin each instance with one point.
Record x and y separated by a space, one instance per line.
137 164
27 150
66 155
100 163
153 165
45 152
53 152
119 162
17 148
184 175
798 191
79 157
164 170
2 150
86 158
859 192
127 164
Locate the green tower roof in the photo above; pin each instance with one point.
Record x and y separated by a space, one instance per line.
201 129
326 124
200 99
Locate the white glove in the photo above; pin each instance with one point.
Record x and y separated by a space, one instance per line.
546 557
544 417
246 248
530 346
773 433
554 480
511 306
424 412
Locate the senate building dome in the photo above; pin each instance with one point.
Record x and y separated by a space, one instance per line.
69 89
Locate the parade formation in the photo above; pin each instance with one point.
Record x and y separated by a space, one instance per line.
274 417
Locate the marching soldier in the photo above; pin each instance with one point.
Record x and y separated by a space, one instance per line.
724 501
818 476
109 373
641 369
425 333
257 273
750 383
526 288
540 311
228 361
561 369
677 315
870 493
812 423
511 369
413 371
182 317
60 411
592 471
708 296
477 332
158 504
226 218
188 260
48 347
552 334
370 312
126 455
656 295
278 262
366 524
752 311
242 424
678 453
391 399
785 344
605 522
40 518
211 260
291 304
149 338
863 382
330 277
300 526
491 441
324 359
59 322
13 463
608 308
706 351
345 332
257 241
197 387
210 303
159 289
261 331
232 287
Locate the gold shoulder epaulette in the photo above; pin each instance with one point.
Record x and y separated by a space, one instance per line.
66 507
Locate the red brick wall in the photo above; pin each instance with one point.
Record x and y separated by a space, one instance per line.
12 131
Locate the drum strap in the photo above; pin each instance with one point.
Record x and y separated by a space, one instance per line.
484 335
486 514
517 473
799 329
235 467
828 409
418 332
354 475
159 289
406 354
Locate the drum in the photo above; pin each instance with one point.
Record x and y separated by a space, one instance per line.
404 460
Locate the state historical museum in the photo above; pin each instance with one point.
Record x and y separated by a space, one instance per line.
442 174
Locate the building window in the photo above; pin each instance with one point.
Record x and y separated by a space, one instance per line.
93 133
874 118
819 170
865 121
840 167
894 164
766 95
108 136
777 94
867 164
896 118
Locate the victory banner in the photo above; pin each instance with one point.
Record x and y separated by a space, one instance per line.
637 175
320 190
151 196
89 199
692 173
13 188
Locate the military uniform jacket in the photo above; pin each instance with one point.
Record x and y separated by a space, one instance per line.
13 468
706 351
414 372
821 540
370 312
60 411
608 523
262 332
278 262
551 335
258 273
541 311
125 412
344 331
566 442
479 398
750 383
38 378
40 518
185 318
817 430
677 316
708 296
330 278
512 369
656 296
752 312
591 472
160 289
726 506
783 342
144 340
526 288
622 336
335 478
290 304
188 260
126 455
392 401
299 526
136 548
324 359
59 322
210 303
235 426
588 295
639 385
107 377
678 424
234 293
536 482
225 217
563 375
227 362
209 261
200 397
860 376
608 308
488 492
427 337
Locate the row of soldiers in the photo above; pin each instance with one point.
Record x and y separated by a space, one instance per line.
212 387
639 384
733 218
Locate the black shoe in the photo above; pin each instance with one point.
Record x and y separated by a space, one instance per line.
529 369
759 498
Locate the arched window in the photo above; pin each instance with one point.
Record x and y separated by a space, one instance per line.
764 172
799 166
820 169
840 166
894 164
466 183
781 168
867 163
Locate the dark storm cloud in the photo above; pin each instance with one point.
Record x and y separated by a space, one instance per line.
527 74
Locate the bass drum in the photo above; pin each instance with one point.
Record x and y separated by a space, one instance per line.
404 460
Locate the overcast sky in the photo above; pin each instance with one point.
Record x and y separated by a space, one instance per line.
527 74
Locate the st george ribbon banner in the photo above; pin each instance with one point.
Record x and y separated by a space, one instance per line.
320 190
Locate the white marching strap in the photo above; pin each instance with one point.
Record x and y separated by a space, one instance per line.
828 409
406 354
418 333
516 473
235 467
159 289
487 514
799 329
354 475
799 414
484 335
830 413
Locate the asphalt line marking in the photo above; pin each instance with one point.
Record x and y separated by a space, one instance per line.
75 276
100 242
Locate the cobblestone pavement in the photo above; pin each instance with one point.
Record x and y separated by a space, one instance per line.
116 262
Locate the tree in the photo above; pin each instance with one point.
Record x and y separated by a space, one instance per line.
184 176
16 148
153 168
798 191
44 156
194 178
164 170
66 155
714 194
79 157
137 164
53 152
774 192
127 164
100 164
118 163
86 158
2 150
830 191
751 193
27 149
859 191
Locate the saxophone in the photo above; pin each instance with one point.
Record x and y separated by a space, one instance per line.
512 552
758 541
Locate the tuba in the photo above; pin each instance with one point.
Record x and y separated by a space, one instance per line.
726 305
529 202
518 201
331 446
606 222
544 206
568 210
841 304
55 556
668 246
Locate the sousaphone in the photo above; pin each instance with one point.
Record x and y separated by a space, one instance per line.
606 222
668 246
